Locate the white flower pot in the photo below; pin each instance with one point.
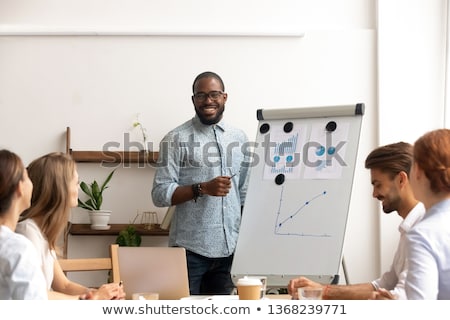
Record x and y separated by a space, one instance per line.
100 219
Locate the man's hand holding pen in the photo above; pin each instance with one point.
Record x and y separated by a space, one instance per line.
219 186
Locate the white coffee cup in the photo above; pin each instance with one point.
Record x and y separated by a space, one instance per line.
249 288
263 280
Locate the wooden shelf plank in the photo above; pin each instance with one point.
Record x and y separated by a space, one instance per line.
115 156
110 156
76 229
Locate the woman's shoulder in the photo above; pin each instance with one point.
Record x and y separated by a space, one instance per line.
16 243
30 230
26 225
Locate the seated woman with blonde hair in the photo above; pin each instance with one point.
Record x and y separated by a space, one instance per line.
55 192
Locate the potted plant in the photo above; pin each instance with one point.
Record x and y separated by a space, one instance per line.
99 218
129 237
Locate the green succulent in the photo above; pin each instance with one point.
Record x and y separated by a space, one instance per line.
95 193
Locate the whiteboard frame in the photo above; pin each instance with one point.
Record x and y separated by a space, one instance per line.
352 113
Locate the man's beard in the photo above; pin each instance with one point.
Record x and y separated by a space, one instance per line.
391 205
209 121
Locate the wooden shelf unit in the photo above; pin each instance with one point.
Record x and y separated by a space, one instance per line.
139 157
110 156
76 229
81 229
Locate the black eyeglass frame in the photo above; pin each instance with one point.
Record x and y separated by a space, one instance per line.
213 95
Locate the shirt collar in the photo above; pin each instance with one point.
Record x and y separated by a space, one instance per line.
198 124
414 216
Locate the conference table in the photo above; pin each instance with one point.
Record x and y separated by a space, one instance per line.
236 297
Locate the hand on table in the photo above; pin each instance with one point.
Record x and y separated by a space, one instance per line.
300 282
382 294
110 291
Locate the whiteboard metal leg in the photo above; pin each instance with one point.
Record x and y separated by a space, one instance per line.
344 268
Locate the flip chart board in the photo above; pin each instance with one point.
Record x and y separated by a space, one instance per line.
299 192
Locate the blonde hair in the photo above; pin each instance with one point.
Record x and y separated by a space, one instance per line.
51 175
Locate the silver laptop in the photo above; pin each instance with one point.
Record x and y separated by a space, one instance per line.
154 269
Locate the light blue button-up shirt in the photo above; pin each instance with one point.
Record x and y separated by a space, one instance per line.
196 153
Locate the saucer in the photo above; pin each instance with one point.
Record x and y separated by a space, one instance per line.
93 227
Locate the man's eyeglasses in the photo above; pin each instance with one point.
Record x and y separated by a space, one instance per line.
213 95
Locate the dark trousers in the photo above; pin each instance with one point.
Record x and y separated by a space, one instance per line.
209 276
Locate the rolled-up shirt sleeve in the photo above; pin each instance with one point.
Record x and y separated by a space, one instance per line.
165 182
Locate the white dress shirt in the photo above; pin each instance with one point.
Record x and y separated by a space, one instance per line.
394 279
47 257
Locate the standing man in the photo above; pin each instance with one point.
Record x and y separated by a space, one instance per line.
203 166
390 167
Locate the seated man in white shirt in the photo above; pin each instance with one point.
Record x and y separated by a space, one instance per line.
389 169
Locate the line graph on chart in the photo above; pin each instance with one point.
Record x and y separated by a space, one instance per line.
296 221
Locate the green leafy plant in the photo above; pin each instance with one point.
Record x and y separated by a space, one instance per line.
129 237
95 193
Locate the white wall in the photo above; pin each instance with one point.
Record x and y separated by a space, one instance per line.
411 63
96 85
